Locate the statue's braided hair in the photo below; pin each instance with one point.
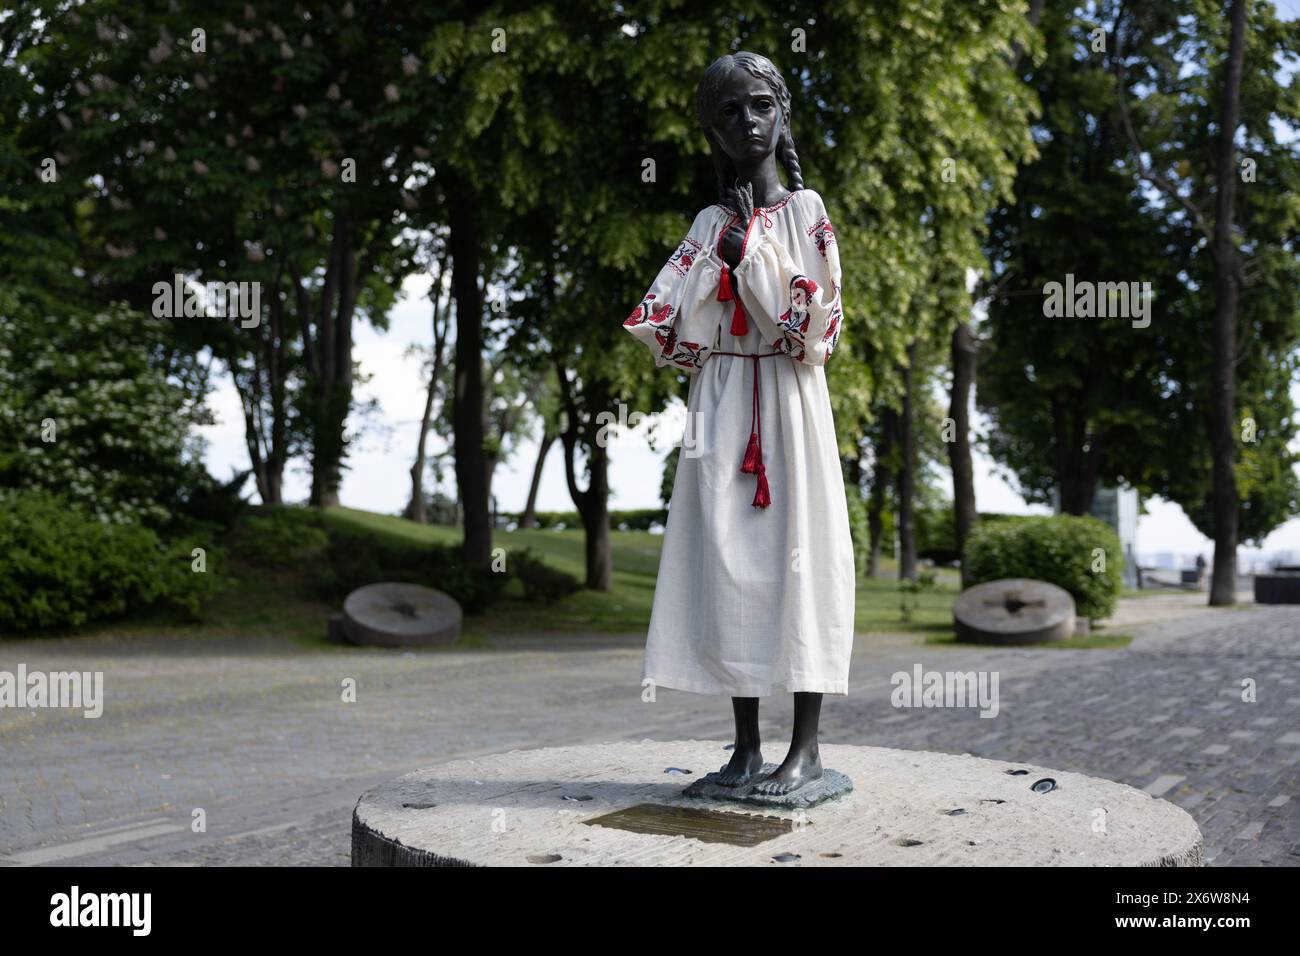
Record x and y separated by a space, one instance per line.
706 102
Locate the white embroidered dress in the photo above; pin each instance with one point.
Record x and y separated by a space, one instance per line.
753 599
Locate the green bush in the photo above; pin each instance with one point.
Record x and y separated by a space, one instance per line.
61 567
214 503
354 559
936 532
1058 549
282 538
541 581
638 519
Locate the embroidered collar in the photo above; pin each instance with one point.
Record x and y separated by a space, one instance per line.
766 209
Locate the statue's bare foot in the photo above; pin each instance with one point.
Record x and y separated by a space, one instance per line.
741 768
798 768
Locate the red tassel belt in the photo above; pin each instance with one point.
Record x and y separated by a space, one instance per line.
753 460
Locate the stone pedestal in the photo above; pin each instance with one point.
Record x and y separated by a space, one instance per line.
621 804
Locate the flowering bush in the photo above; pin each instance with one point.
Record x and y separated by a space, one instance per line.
87 410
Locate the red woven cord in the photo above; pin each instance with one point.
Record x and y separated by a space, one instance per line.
762 498
739 327
724 285
727 293
753 459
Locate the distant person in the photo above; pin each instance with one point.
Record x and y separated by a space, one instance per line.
1200 569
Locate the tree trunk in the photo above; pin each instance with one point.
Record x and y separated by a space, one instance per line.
529 518
592 504
595 523
328 356
262 393
1077 460
1223 588
880 482
964 356
467 403
907 474
508 415
277 453
415 510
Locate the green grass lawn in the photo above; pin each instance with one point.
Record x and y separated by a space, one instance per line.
273 604
626 608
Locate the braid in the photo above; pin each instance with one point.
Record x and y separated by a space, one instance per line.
785 152
724 169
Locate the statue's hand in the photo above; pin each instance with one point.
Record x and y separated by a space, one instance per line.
733 244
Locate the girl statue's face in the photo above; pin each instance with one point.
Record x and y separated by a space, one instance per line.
747 118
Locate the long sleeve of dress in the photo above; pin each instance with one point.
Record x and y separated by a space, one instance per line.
794 294
673 318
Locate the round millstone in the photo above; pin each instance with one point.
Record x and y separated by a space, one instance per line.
1014 611
614 804
400 615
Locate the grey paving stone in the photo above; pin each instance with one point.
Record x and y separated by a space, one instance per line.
1251 831
255 732
1163 784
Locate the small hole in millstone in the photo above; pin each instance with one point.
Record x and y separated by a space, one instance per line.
786 857
992 800
1046 785
676 771
545 858
959 812
418 806
1017 773
971 843
581 796
907 841
1013 603
833 855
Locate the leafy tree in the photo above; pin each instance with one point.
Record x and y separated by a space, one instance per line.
1075 400
1204 132
1086 400
249 153
905 120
